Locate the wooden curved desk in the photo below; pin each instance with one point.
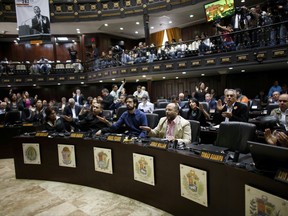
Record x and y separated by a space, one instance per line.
226 193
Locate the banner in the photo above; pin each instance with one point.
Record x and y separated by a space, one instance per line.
33 20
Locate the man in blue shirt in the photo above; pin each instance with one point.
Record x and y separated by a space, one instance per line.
132 119
275 87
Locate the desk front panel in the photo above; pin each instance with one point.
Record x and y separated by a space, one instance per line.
225 184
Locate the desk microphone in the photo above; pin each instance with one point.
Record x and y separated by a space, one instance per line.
236 156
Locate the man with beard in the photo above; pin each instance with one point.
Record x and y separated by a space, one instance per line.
172 126
231 110
132 119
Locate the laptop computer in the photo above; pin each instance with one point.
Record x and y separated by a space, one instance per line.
268 157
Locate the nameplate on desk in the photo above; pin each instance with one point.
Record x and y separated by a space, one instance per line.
41 134
114 138
220 157
158 145
27 124
282 175
76 135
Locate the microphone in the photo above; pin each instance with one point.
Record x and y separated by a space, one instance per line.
25 21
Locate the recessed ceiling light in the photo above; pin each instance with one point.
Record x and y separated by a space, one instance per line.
242 1
137 23
143 75
152 27
202 74
62 38
164 77
137 80
191 16
17 29
113 79
170 22
82 83
121 28
136 32
100 80
177 77
34 84
8 86
230 68
58 83
183 72
106 24
242 71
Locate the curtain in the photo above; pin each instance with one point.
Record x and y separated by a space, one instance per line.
157 38
174 33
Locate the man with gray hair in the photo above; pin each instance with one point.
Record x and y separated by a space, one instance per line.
231 110
70 115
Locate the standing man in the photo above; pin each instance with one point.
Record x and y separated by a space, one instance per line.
40 23
79 98
116 91
139 93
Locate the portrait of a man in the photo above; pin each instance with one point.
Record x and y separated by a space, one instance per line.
40 23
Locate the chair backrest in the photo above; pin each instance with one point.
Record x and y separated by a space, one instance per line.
108 114
162 100
161 112
205 106
184 113
120 111
2 117
152 119
13 117
255 104
195 131
270 107
162 104
27 112
234 135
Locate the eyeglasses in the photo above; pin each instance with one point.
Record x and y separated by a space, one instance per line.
284 101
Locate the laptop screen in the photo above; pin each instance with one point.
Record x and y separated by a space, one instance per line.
268 157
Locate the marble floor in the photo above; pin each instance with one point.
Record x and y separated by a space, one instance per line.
44 198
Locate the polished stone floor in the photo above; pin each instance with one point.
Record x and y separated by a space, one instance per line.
44 198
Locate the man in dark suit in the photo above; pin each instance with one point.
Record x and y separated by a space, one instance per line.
40 23
231 110
70 115
79 98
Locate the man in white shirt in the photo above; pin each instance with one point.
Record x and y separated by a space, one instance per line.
139 93
146 106
116 91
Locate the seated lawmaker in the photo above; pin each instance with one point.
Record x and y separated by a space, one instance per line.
231 110
70 114
52 121
172 127
197 112
92 120
279 138
281 113
133 118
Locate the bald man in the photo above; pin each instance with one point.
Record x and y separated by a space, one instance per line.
172 126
